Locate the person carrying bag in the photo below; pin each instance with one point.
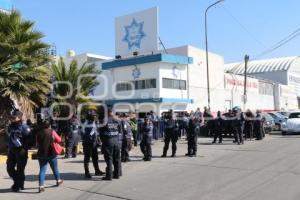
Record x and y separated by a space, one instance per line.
48 149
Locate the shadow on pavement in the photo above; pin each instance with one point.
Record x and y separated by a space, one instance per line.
64 176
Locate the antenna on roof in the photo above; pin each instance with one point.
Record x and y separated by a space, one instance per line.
162 44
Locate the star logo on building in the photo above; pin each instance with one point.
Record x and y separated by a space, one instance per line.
134 34
175 71
136 73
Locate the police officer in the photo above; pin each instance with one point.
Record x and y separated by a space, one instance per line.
90 143
110 145
249 124
218 128
19 143
238 125
147 134
192 137
126 138
72 137
258 126
208 121
134 128
171 134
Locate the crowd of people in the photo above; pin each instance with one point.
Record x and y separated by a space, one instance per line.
115 135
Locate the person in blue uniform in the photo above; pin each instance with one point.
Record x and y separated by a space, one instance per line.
72 137
19 143
90 143
238 126
218 128
109 133
147 134
171 134
192 137
126 138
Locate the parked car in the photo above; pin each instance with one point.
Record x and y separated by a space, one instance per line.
284 113
269 123
292 124
278 119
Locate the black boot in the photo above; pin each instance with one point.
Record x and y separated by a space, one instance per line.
99 173
87 171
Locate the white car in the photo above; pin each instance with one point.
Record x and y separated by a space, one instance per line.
292 124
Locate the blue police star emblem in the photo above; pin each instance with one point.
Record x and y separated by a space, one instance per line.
134 34
136 72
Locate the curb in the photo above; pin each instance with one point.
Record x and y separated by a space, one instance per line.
3 158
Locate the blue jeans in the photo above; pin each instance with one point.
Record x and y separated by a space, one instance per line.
43 168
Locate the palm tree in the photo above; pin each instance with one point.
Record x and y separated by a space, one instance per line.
71 74
24 75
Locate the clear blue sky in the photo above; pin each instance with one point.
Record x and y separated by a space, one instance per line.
88 26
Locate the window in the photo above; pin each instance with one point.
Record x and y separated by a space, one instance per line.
150 83
174 84
138 85
123 86
265 88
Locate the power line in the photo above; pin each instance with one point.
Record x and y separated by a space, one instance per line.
242 26
281 43
274 47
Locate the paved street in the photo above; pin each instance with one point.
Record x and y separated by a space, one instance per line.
268 170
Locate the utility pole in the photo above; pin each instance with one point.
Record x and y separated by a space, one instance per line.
245 81
206 48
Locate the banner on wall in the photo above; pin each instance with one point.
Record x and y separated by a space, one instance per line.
137 32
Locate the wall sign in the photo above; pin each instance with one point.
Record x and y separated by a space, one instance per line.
137 32
134 34
136 73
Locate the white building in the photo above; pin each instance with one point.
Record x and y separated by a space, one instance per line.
142 77
88 58
284 72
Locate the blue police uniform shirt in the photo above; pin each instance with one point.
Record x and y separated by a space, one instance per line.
90 133
127 132
75 127
19 136
112 128
147 129
170 123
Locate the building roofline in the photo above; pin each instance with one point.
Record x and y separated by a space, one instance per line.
167 58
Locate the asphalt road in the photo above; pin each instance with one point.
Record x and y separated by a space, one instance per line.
258 170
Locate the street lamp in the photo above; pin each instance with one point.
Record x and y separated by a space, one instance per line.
206 48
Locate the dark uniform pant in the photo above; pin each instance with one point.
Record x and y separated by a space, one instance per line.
111 151
90 151
258 129
71 146
192 143
249 129
125 150
146 147
170 136
238 134
16 163
135 137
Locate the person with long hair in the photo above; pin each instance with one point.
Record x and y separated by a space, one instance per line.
45 139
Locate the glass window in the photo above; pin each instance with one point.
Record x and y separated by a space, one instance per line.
174 84
150 83
138 85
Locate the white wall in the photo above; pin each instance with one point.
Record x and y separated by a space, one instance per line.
278 77
197 77
166 71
